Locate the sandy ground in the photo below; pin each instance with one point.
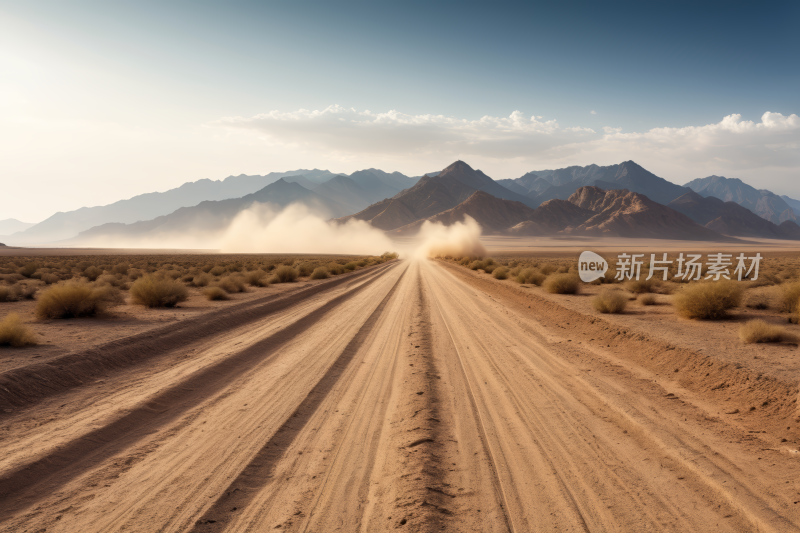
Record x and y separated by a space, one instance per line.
411 396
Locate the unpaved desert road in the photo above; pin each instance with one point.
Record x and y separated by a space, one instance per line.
404 399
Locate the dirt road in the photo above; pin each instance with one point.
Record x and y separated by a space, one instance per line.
405 399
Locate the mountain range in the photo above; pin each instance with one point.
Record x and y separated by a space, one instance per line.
764 203
620 200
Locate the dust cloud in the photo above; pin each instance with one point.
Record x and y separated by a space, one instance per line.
297 230
459 239
263 228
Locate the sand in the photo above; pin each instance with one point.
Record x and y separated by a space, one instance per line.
415 396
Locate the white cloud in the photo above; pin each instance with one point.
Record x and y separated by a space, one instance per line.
593 112
509 146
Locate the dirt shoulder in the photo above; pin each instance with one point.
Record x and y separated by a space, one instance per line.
755 386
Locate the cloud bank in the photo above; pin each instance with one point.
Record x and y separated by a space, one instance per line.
730 145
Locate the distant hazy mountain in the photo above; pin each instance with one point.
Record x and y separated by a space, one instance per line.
794 204
559 184
728 218
12 225
551 217
301 180
512 185
347 192
215 215
765 204
151 205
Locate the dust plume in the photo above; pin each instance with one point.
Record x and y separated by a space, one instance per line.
297 230
459 239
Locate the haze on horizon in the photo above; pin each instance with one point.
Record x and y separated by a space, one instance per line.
102 102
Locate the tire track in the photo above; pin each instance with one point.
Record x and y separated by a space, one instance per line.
259 471
26 386
72 459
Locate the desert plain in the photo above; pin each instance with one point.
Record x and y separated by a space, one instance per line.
446 393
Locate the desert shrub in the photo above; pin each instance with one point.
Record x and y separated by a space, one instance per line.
49 279
362 263
256 278
305 269
648 299
215 293
489 268
760 331
217 271
14 333
7 294
153 291
500 273
708 300
76 300
350 266
286 274
643 286
790 296
92 273
121 268
547 269
531 276
319 273
83 265
201 280
562 284
609 301
231 284
28 270
109 279
334 269
475 265
757 301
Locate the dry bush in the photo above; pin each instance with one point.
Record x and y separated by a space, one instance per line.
790 296
319 273
256 278
153 291
609 301
334 269
643 286
14 333
648 299
231 284
217 271
201 280
531 276
110 279
286 274
547 269
121 268
708 300
350 266
305 269
562 284
7 293
215 293
28 270
760 331
49 279
76 300
489 267
92 273
500 273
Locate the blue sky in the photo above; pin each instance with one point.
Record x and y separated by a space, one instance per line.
106 101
